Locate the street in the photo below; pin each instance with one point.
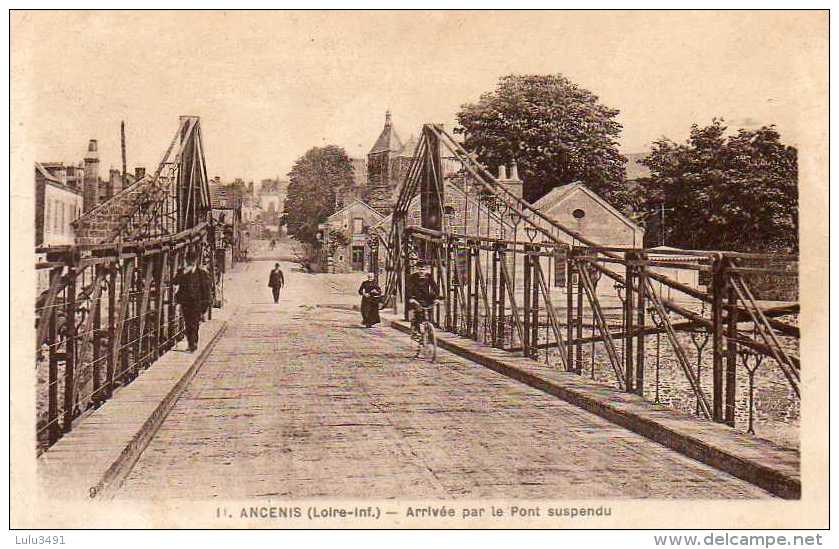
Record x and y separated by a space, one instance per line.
298 401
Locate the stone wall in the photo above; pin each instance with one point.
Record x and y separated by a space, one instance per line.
379 191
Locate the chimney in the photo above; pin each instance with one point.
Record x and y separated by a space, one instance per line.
114 182
387 119
139 173
513 184
91 176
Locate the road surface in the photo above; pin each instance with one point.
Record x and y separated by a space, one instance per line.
300 401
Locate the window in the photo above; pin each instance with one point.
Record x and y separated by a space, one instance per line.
357 225
47 219
578 213
357 258
62 225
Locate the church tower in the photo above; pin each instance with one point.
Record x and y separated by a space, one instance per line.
381 179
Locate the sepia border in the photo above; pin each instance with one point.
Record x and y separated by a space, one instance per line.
29 509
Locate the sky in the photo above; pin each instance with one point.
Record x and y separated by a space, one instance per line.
270 85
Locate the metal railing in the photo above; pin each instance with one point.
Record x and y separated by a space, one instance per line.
709 333
105 313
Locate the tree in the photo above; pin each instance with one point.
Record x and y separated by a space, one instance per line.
557 132
311 190
737 192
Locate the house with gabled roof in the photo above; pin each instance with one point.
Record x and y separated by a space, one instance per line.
580 209
344 238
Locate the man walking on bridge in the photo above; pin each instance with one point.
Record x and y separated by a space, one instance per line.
276 281
193 295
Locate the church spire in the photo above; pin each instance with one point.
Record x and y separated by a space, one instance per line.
388 141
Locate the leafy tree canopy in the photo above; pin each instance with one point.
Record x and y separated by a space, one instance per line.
311 190
557 132
737 192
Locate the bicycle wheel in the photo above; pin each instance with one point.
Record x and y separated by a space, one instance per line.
429 342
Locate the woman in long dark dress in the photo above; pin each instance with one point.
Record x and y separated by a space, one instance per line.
370 294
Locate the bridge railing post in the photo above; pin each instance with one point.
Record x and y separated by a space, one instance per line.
70 343
641 277
160 291
494 296
501 330
113 267
97 329
570 272
731 347
126 283
578 321
406 273
53 431
534 302
468 283
438 276
449 305
475 250
629 314
719 292
526 301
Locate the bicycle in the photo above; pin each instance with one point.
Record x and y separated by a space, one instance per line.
426 337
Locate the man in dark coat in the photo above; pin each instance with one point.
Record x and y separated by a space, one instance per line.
370 293
193 295
422 291
276 281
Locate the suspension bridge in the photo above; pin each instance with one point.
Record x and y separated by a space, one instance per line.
568 369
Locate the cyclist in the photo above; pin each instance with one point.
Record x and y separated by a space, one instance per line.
422 292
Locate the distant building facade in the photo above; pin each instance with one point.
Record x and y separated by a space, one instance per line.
271 199
85 177
57 205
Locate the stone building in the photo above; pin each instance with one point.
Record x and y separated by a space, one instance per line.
577 207
344 238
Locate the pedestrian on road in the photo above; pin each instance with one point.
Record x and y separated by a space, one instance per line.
276 281
370 293
193 295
